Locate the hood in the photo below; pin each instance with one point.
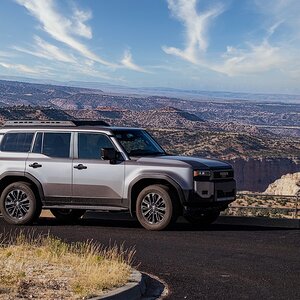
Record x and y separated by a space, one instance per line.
200 163
194 162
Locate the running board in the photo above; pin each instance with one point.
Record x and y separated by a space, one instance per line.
87 207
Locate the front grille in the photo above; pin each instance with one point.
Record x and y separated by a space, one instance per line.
223 174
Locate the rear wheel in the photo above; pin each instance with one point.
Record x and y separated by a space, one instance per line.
67 215
38 211
154 207
204 218
18 204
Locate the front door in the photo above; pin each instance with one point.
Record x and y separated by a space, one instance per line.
96 181
51 164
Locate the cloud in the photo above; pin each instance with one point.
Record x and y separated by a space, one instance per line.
67 31
85 69
256 59
288 10
128 63
196 26
6 54
20 68
282 16
79 18
280 54
46 50
64 29
273 28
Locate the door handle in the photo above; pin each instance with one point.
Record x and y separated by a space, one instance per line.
35 165
80 167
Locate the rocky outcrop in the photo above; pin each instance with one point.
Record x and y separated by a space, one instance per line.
288 184
255 174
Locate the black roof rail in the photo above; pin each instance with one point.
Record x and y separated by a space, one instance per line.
73 123
21 123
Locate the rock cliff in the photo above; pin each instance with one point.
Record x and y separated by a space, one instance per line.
256 174
288 184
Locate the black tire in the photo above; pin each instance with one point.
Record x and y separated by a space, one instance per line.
67 215
18 204
203 219
160 212
38 211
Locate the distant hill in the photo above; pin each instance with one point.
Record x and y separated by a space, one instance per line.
197 95
23 93
13 93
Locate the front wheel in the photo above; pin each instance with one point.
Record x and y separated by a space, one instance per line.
154 207
67 215
18 204
203 219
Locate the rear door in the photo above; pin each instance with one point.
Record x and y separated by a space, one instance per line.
96 181
50 163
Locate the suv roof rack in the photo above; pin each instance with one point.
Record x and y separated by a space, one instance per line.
73 123
20 123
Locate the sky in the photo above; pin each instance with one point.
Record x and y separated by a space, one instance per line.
214 45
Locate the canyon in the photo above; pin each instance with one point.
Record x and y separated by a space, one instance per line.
261 139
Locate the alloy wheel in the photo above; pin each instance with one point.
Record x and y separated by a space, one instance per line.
153 208
17 204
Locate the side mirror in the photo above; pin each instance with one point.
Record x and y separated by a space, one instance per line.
109 154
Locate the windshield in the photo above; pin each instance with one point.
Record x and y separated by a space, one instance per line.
138 142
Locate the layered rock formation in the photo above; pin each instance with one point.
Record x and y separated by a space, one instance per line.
288 184
256 174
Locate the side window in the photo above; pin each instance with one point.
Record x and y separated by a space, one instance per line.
56 144
17 142
90 144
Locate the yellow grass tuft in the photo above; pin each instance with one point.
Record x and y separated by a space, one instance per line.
48 268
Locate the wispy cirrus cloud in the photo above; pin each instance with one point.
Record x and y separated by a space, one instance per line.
128 63
253 58
272 53
78 23
256 59
284 14
68 30
286 11
63 29
6 54
21 68
46 50
196 25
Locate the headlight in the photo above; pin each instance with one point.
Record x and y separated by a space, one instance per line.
202 173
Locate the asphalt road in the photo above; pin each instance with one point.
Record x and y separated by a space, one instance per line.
218 262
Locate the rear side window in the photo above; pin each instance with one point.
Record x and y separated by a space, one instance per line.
53 144
17 142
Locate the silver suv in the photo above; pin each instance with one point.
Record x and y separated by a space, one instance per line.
70 167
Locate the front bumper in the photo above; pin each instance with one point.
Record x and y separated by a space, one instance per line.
211 194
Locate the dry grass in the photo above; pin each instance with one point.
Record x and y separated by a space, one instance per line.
45 267
263 205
